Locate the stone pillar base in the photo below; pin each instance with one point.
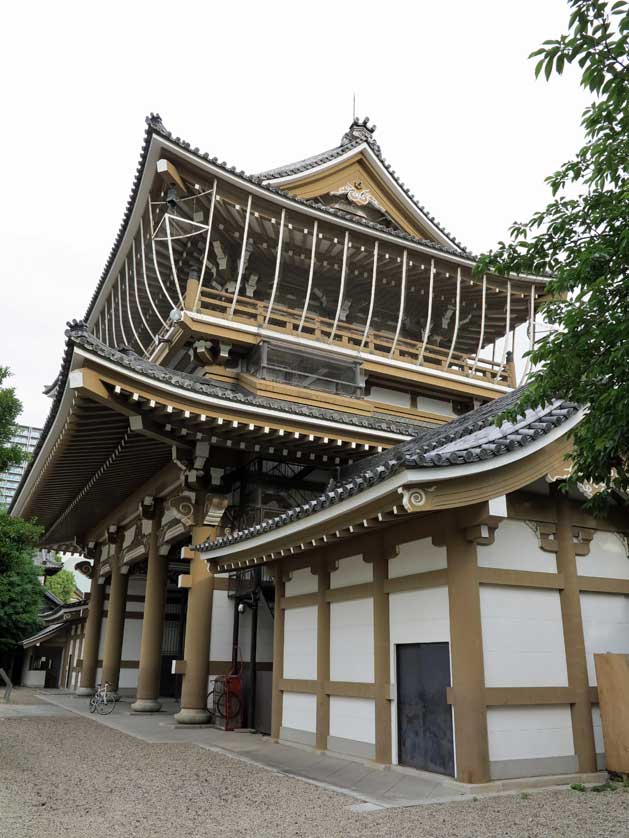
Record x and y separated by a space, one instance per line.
192 717
146 705
85 691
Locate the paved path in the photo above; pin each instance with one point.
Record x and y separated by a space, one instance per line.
373 785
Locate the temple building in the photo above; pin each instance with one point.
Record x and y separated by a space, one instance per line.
274 439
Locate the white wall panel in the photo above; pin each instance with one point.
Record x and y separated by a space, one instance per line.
131 640
435 406
597 724
302 582
516 547
523 643
300 643
222 627
351 571
417 557
607 557
136 588
101 639
128 679
419 616
351 641
396 397
605 626
529 732
353 718
299 711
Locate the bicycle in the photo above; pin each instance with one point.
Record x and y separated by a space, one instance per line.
221 701
103 701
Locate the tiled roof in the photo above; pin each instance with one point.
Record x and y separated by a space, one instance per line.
470 438
155 126
359 132
129 359
77 335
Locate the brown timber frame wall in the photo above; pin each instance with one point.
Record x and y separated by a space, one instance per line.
468 695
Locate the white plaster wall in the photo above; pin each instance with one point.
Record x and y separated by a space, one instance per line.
434 406
605 626
131 640
516 548
529 732
299 711
128 678
101 639
222 627
607 557
300 643
351 571
419 616
597 724
99 675
523 643
302 582
353 718
383 394
136 587
34 678
351 641
417 557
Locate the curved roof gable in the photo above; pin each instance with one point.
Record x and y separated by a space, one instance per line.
358 162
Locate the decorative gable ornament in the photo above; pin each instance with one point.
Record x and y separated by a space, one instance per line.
357 194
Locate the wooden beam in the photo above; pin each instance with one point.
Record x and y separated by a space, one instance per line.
169 174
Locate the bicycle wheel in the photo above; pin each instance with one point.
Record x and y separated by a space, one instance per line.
92 705
106 705
228 706
211 701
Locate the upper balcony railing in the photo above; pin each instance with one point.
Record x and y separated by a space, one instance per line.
254 258
284 320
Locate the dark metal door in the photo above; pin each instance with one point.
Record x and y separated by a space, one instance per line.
424 716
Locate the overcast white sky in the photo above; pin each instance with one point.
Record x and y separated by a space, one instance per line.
258 84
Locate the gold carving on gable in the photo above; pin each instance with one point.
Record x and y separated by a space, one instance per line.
359 195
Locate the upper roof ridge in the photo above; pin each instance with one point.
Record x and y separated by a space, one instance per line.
360 129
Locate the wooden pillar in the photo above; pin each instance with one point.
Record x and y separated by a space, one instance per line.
576 664
323 656
152 627
92 634
278 653
114 631
466 649
382 657
194 689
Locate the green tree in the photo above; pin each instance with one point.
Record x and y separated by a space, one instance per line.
20 588
582 238
10 408
62 585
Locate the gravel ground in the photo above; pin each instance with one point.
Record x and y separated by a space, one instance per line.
23 695
70 777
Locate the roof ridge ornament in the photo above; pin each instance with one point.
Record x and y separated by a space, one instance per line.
154 121
360 129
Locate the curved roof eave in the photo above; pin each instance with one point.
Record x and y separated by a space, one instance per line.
156 130
408 464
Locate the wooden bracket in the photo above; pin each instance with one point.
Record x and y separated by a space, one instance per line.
582 538
184 580
169 174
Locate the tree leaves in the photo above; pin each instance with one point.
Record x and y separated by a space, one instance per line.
582 238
